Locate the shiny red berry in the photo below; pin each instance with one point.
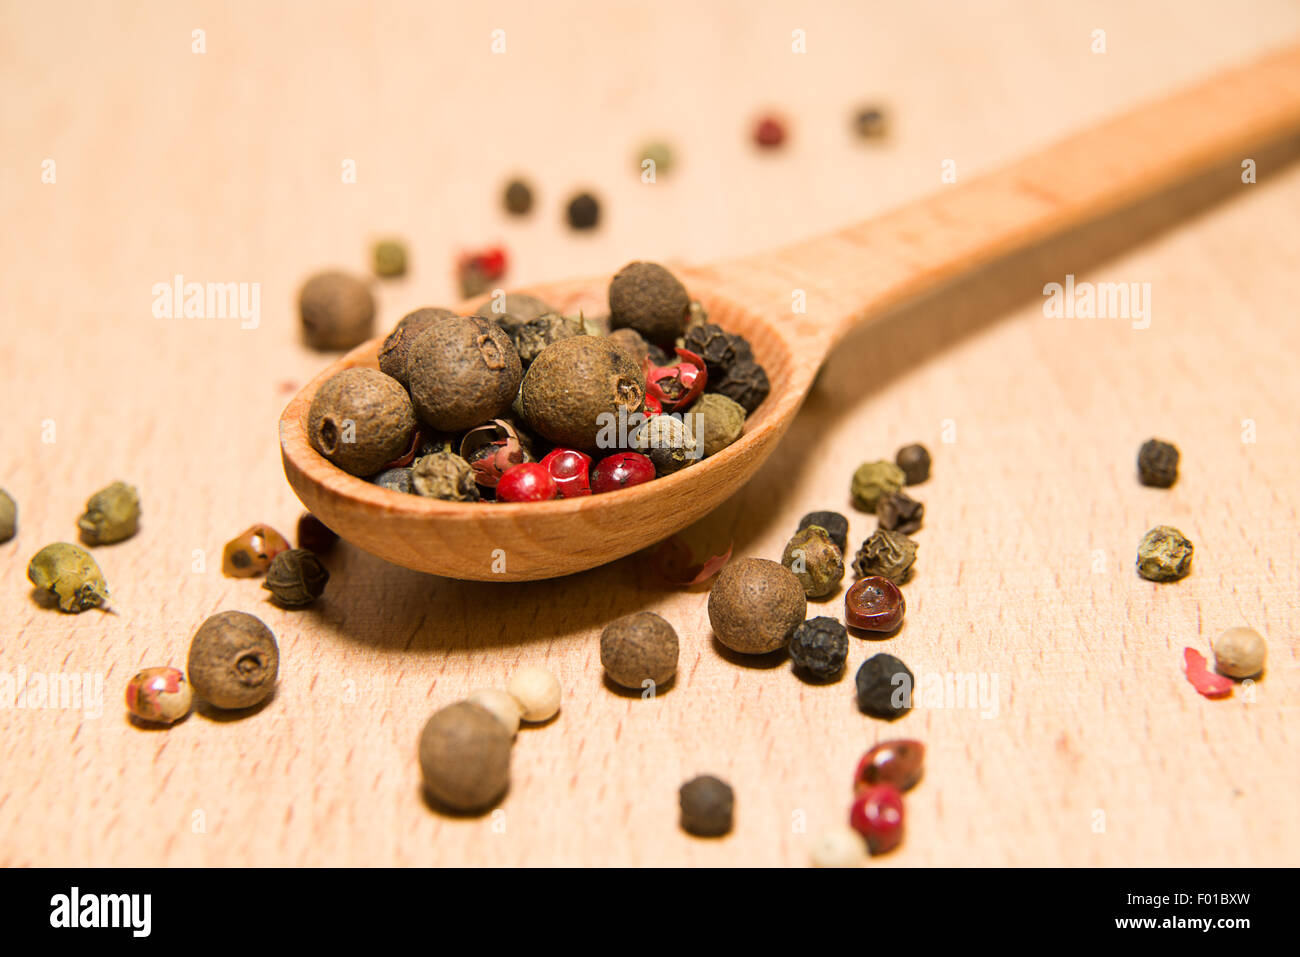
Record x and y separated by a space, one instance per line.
897 763
569 468
621 470
874 604
528 482
652 406
769 132
877 814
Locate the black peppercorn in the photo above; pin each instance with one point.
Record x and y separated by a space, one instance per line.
836 525
819 647
583 211
518 198
708 805
914 460
719 349
885 686
899 512
1158 463
745 382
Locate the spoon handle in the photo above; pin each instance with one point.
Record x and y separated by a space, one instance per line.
857 273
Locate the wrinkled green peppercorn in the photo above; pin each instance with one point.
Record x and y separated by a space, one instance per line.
744 382
360 419
718 421
1158 463
8 516
531 337
755 604
444 475
296 578
719 349
836 525
815 560
70 575
648 298
518 198
465 757
397 480
666 441
873 480
112 515
819 647
233 661
389 258
886 554
574 390
899 512
393 353
463 372
337 311
639 648
708 806
914 460
885 686
1164 554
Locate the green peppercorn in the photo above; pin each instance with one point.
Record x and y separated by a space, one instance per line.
360 419
815 560
914 460
463 372
337 311
575 389
518 198
899 512
8 516
755 604
720 421
660 155
465 757
70 575
444 475
886 554
393 353
389 256
639 648
296 578
667 441
112 515
1164 554
874 479
1158 463
233 661
648 298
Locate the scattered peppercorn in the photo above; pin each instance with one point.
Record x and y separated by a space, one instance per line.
1158 463
583 211
869 123
233 661
899 512
755 605
296 578
501 705
668 442
8 516
769 132
874 604
884 686
477 271
463 372
745 382
518 198
888 555
314 535
877 814
251 552
815 560
69 574
660 155
575 389
159 695
1164 554
838 847
465 757
899 764
537 691
637 649
526 482
389 257
444 475
836 525
1240 653
719 421
1201 678
708 806
393 353
874 480
112 515
360 419
337 311
819 647
620 470
648 298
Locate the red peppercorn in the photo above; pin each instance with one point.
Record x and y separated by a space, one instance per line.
874 604
877 814
569 468
769 132
897 763
527 482
621 470
652 406
676 386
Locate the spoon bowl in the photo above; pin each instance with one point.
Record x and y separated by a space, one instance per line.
793 305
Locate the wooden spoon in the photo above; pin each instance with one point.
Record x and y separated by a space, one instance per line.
847 278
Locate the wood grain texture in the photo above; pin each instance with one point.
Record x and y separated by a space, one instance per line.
225 167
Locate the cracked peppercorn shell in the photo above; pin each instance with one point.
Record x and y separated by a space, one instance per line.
819 647
886 554
462 372
573 391
746 383
836 525
899 512
446 476
648 298
233 661
368 408
1240 652
884 687
251 552
755 605
1158 463
638 648
337 311
708 806
1164 554
112 515
815 560
872 481
296 578
914 460
393 353
465 757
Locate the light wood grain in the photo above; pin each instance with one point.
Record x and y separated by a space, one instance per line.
225 167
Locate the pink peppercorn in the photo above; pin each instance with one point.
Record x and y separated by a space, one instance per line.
527 482
769 132
874 604
897 763
877 814
569 468
160 695
621 470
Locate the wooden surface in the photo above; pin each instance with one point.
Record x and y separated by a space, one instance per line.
225 166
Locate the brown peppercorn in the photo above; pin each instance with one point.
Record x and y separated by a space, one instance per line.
465 757
233 660
444 475
574 390
360 419
392 354
635 343
337 311
886 554
296 578
815 560
1158 463
899 512
463 372
914 460
518 198
648 298
708 806
639 648
1240 652
755 604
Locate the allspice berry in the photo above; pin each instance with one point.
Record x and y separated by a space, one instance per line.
392 354
462 372
648 298
337 311
873 480
360 419
575 389
639 648
112 515
444 475
1240 653
755 605
721 421
815 560
296 578
465 757
233 660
